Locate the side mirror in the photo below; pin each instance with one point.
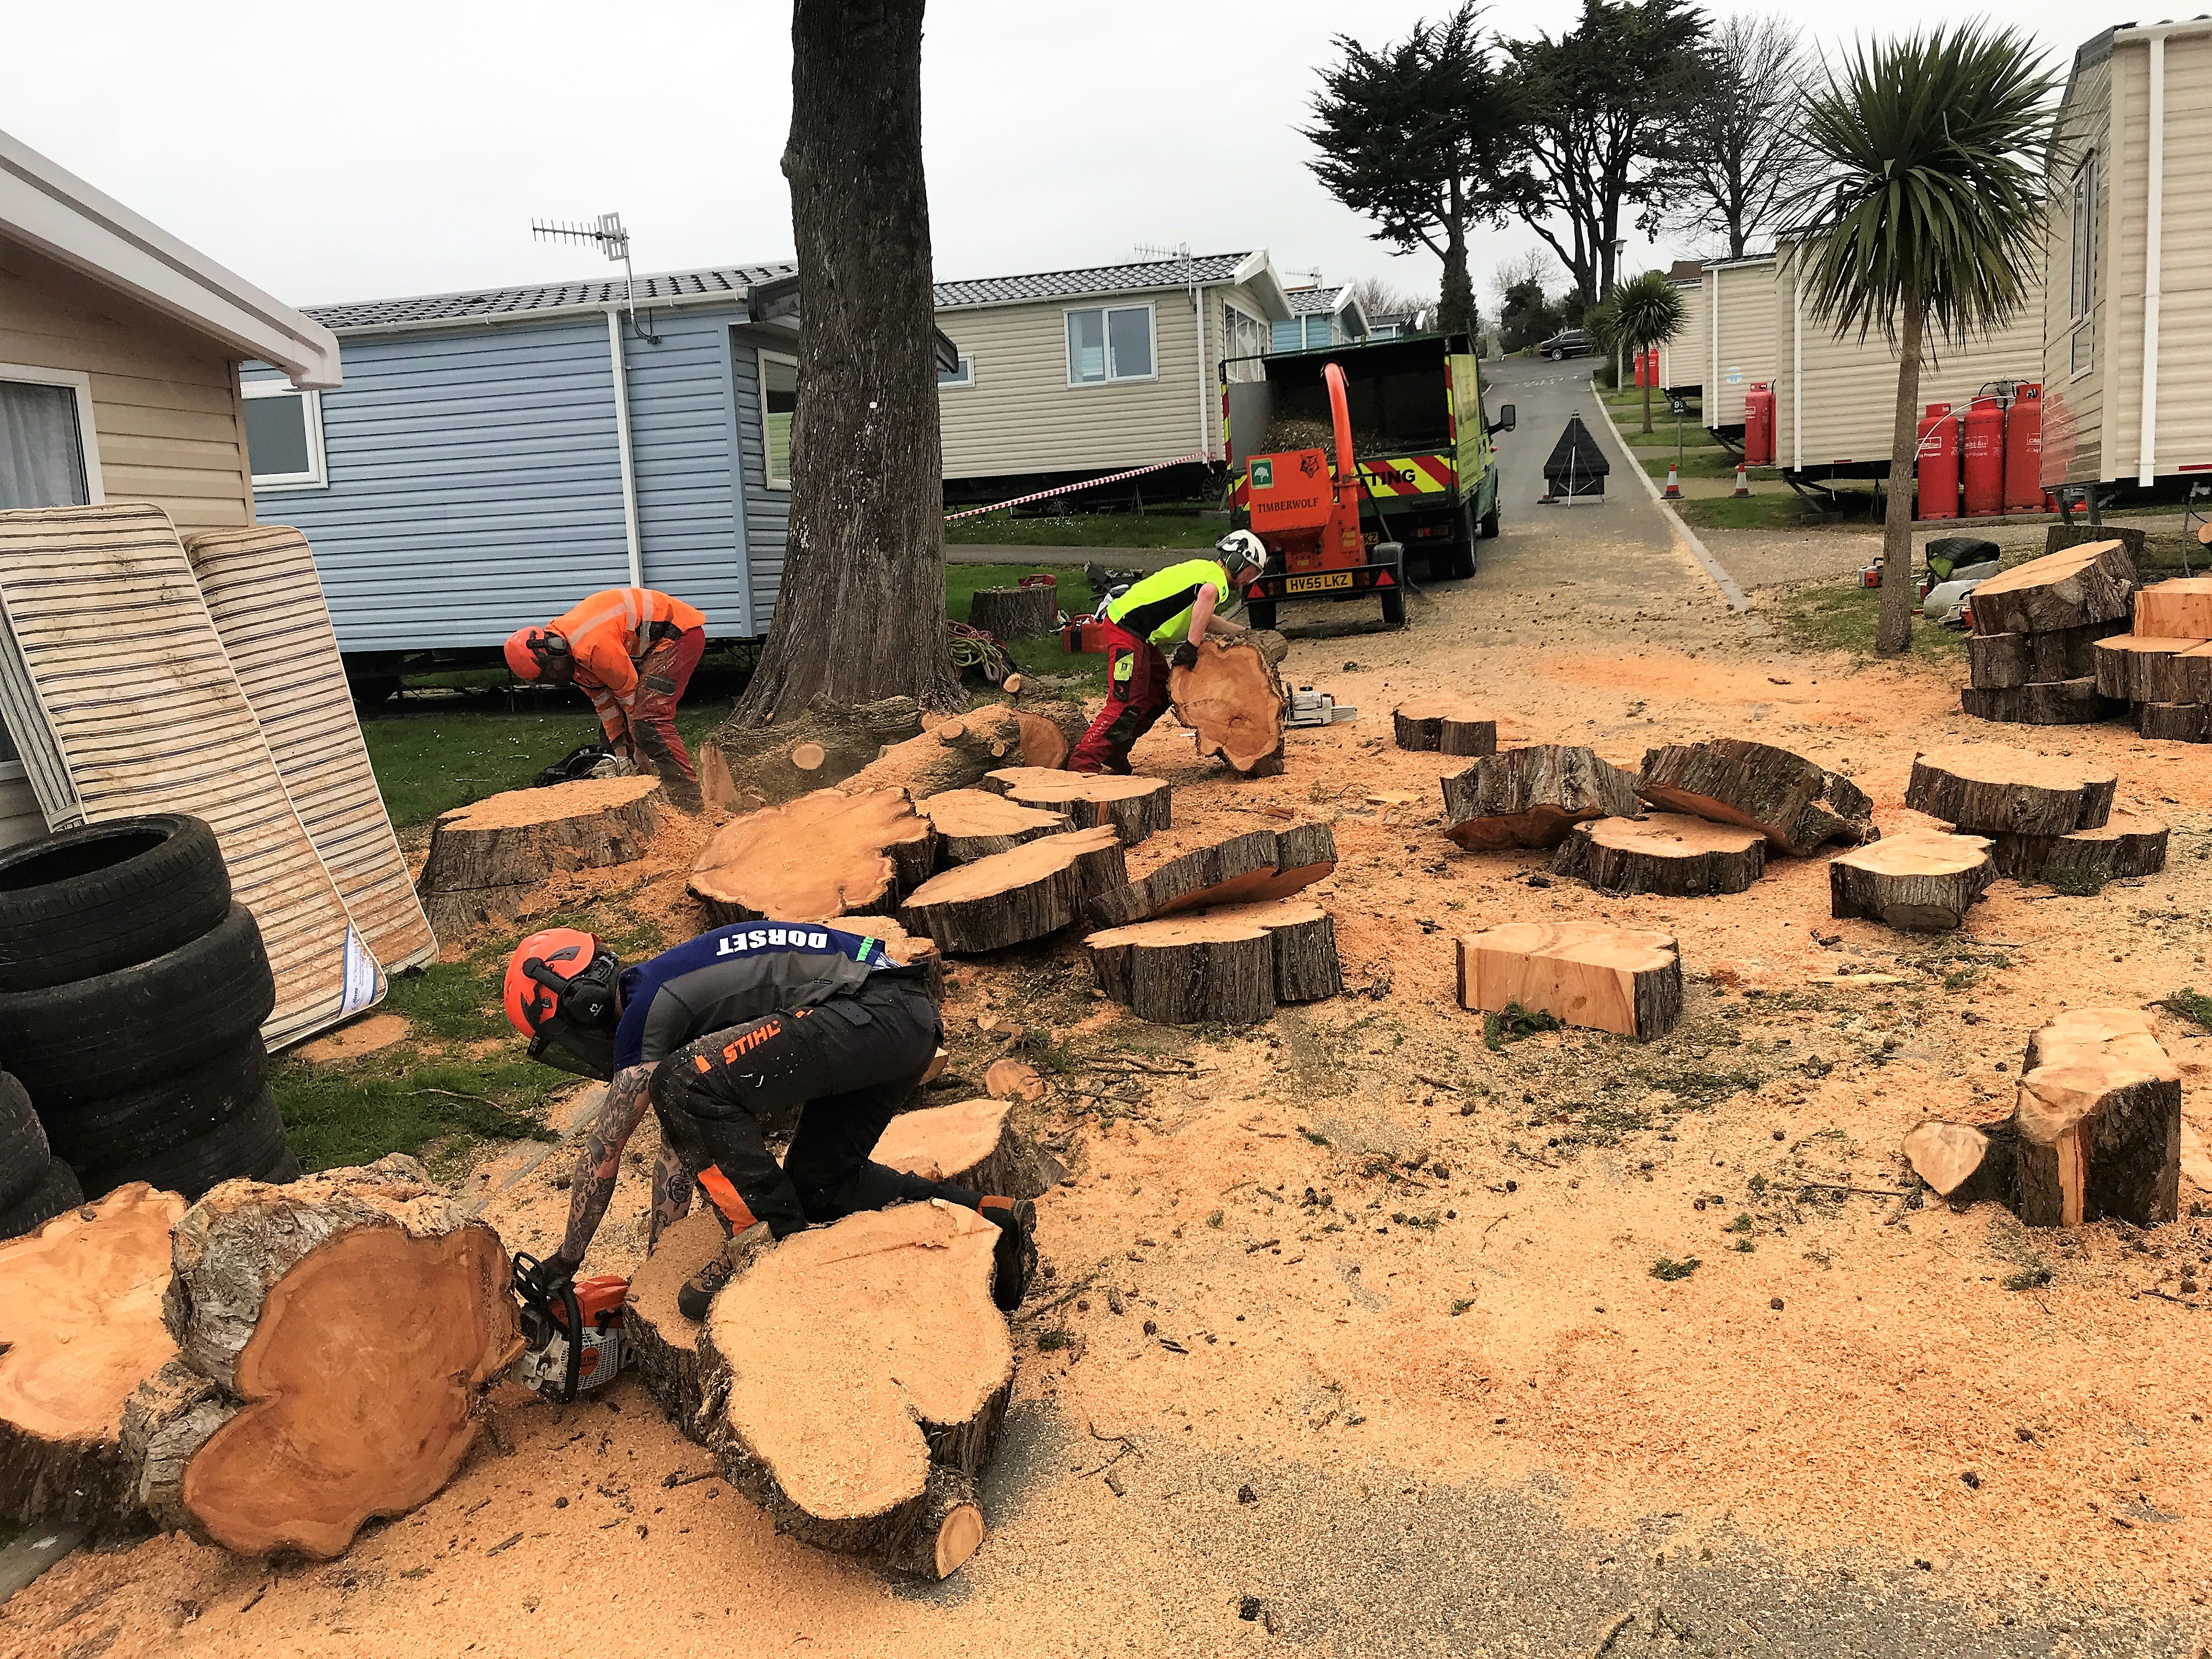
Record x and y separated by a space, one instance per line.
1504 421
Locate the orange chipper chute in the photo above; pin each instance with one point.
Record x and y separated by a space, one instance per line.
1310 520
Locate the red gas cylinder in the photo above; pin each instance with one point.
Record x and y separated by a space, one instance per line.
2023 469
1982 463
1758 425
1939 463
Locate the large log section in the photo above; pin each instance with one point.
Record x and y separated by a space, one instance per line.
1444 726
2180 605
975 824
665 1343
2059 702
1666 853
1920 883
1795 804
972 1144
2125 844
1260 864
817 747
1581 973
1135 807
1989 789
957 754
1011 898
1533 797
1998 661
2074 588
2100 1121
830 853
1232 698
486 858
1965 1163
1012 613
1234 965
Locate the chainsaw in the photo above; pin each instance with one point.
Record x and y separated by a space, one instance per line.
555 1362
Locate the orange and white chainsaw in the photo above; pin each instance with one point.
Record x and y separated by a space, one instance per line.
573 1334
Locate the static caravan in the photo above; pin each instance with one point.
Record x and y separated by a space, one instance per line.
1682 360
2127 358
1835 400
1738 302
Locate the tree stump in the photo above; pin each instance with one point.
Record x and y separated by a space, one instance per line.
975 824
907 950
1921 883
1988 789
1997 661
1011 898
664 1343
2092 583
2180 605
1964 1163
1533 797
817 747
1260 864
824 855
1234 964
80 1330
2057 702
2098 1115
1013 613
1444 726
485 859
1667 853
871 1385
1135 807
1232 699
2143 668
1581 973
956 753
972 1144
1795 804
2175 722
335 1339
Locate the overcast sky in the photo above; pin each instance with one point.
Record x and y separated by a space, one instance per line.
342 151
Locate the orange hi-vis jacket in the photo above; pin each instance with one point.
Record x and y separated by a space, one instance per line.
610 633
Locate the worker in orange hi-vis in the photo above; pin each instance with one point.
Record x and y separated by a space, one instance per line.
632 651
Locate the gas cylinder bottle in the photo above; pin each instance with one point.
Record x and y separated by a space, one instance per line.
1758 425
1982 458
1939 463
2023 468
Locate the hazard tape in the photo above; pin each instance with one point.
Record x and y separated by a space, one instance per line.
1069 489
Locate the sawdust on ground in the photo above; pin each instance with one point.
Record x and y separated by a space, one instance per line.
364 1036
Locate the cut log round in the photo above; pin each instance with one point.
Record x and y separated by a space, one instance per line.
762 761
1988 789
1232 699
1997 661
1011 898
910 950
1533 797
664 1343
1013 1079
1260 864
830 853
972 1144
2191 673
2175 722
2143 668
1962 1162
2056 703
335 1338
957 754
1667 853
2138 842
1135 807
1795 804
2099 1113
1922 882
2125 845
870 1385
2092 583
80 1330
1233 964
1581 973
1445 726
975 823
1013 613
2179 605
486 858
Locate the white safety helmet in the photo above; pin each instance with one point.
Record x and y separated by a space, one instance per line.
1241 550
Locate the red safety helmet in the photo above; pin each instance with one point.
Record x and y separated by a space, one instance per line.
535 653
561 993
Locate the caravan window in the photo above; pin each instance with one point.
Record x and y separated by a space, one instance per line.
2082 300
48 456
779 403
285 436
1110 343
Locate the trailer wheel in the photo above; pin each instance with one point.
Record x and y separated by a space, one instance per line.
1393 607
1261 612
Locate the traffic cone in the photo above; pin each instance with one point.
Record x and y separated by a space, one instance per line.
1742 481
1673 490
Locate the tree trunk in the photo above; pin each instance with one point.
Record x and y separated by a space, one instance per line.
1455 304
1894 632
861 615
2100 1121
1012 613
817 747
956 753
1639 351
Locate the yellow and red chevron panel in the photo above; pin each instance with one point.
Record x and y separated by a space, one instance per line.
1408 475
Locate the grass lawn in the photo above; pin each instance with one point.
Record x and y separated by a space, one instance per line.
1783 510
1836 617
1714 463
1036 656
1694 437
1162 529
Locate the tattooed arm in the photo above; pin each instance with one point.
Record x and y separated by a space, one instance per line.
593 1183
671 1194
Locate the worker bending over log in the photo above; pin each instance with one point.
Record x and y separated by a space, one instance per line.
1174 608
744 1028
632 650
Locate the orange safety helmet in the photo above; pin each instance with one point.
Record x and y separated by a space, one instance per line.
535 653
565 973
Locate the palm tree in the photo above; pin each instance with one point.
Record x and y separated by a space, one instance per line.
1928 209
1644 312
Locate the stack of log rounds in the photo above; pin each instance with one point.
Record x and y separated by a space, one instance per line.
80 1330
1667 853
2099 1119
828 854
911 949
1260 864
1532 797
2181 606
1445 726
2165 666
1921 883
855 1382
2125 844
488 857
1796 805
1581 973
1011 898
664 1343
972 1144
1013 613
975 823
2023 803
2036 626
1235 965
1135 807
1232 701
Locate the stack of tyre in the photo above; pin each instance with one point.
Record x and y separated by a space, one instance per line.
132 990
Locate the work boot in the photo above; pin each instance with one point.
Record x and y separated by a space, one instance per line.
1014 1256
727 1263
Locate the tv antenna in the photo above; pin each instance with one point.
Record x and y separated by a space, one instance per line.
1180 251
607 233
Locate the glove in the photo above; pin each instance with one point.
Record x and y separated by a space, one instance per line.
556 1271
1186 656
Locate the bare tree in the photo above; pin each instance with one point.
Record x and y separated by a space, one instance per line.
1739 151
1378 297
1536 265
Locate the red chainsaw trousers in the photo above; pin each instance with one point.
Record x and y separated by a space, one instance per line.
1136 697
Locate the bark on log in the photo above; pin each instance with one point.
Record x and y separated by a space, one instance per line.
870 1384
665 1345
1013 613
1011 898
977 823
1232 699
2179 605
1273 647
1997 661
335 1338
2138 842
764 763
1920 883
2099 1113
1963 1163
2175 722
1988 789
1797 806
2092 583
2125 845
1444 726
958 753
2056 702
1260 864
487 858
1135 807
2192 674
80 1330
1581 972
1533 797
2143 668
972 1144
1667 853
1234 964
834 853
